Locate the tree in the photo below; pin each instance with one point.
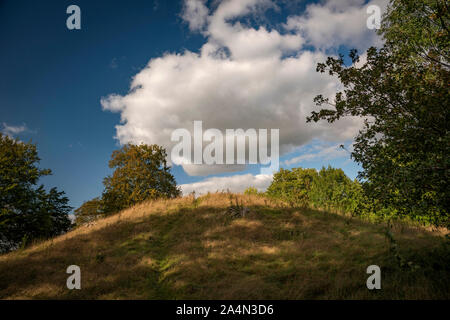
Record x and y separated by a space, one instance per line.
27 212
89 211
292 186
417 30
141 173
332 189
402 92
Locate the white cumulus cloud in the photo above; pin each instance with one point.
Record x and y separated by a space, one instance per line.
236 183
337 22
242 77
195 14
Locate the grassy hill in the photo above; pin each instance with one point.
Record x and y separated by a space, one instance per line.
188 249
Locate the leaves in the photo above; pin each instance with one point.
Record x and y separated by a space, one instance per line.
293 185
27 212
402 93
141 173
328 189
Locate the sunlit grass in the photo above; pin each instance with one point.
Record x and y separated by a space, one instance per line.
186 249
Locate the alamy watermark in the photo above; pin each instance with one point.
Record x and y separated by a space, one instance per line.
73 21
374 20
74 280
374 281
241 147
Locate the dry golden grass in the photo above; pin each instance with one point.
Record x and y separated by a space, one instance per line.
188 249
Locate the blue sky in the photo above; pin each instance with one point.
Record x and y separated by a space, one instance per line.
52 79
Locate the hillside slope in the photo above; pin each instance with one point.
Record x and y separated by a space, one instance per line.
188 249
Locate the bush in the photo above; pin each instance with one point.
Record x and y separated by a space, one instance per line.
332 189
293 186
329 189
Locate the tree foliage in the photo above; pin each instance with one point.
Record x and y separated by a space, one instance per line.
293 185
27 212
89 211
417 31
328 189
332 189
140 173
402 92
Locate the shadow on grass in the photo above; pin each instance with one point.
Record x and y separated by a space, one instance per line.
197 252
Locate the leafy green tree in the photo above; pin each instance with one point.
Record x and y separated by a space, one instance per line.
293 185
27 212
417 31
89 211
402 92
141 173
332 189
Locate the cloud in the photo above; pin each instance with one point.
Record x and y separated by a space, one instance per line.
321 152
335 23
242 77
195 14
11 131
236 183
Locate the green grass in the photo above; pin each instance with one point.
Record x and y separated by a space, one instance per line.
185 249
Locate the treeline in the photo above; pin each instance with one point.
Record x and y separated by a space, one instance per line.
328 189
331 190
